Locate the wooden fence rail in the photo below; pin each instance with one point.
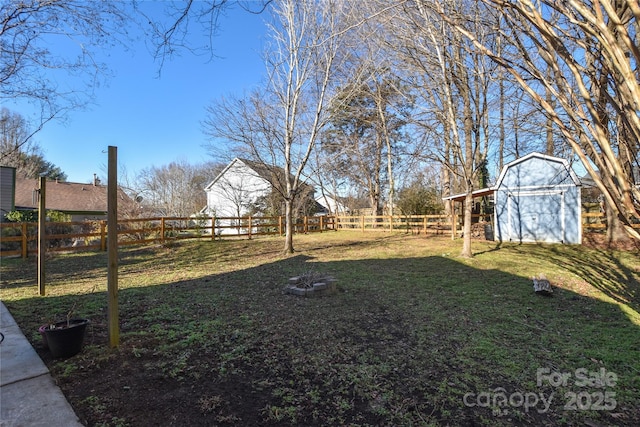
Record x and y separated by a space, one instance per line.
20 239
435 224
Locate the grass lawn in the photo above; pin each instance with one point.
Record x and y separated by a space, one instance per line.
413 336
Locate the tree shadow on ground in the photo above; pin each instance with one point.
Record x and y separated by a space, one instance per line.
602 269
403 341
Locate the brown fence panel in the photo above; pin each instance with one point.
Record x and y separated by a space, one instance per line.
434 224
20 239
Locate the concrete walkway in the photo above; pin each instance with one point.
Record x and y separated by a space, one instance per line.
28 395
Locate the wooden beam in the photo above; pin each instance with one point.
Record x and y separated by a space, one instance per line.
42 242
112 249
454 220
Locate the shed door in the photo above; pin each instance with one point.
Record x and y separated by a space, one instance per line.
536 216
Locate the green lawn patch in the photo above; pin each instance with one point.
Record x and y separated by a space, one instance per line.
414 335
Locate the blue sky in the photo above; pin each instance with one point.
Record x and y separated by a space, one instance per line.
156 120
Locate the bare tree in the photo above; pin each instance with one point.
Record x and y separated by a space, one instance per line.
176 189
454 94
170 36
586 55
308 37
30 67
27 157
280 124
330 182
14 131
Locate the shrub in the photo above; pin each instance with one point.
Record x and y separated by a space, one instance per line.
55 220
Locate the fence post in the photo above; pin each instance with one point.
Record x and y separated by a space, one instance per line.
250 227
25 249
321 223
362 222
213 228
162 230
103 235
113 323
424 225
42 225
280 224
306 224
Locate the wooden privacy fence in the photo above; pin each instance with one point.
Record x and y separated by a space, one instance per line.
20 239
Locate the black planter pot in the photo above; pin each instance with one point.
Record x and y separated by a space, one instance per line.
65 338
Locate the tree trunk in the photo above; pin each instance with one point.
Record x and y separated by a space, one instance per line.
288 215
615 229
466 230
580 99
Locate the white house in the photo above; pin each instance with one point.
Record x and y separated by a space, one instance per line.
236 190
331 205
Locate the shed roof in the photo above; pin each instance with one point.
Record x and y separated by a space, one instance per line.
545 157
490 190
477 193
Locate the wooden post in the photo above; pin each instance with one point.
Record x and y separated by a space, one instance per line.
162 230
112 249
42 242
103 236
250 226
454 220
213 228
362 222
280 224
321 223
25 248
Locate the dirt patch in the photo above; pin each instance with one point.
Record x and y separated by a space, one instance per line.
244 382
600 241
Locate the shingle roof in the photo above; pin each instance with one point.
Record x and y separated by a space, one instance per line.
62 196
274 175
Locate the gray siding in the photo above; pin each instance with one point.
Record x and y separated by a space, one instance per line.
7 190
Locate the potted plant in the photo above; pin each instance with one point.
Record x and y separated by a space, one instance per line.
64 338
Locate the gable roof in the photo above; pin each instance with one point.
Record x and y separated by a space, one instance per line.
63 196
274 175
257 168
535 155
332 203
